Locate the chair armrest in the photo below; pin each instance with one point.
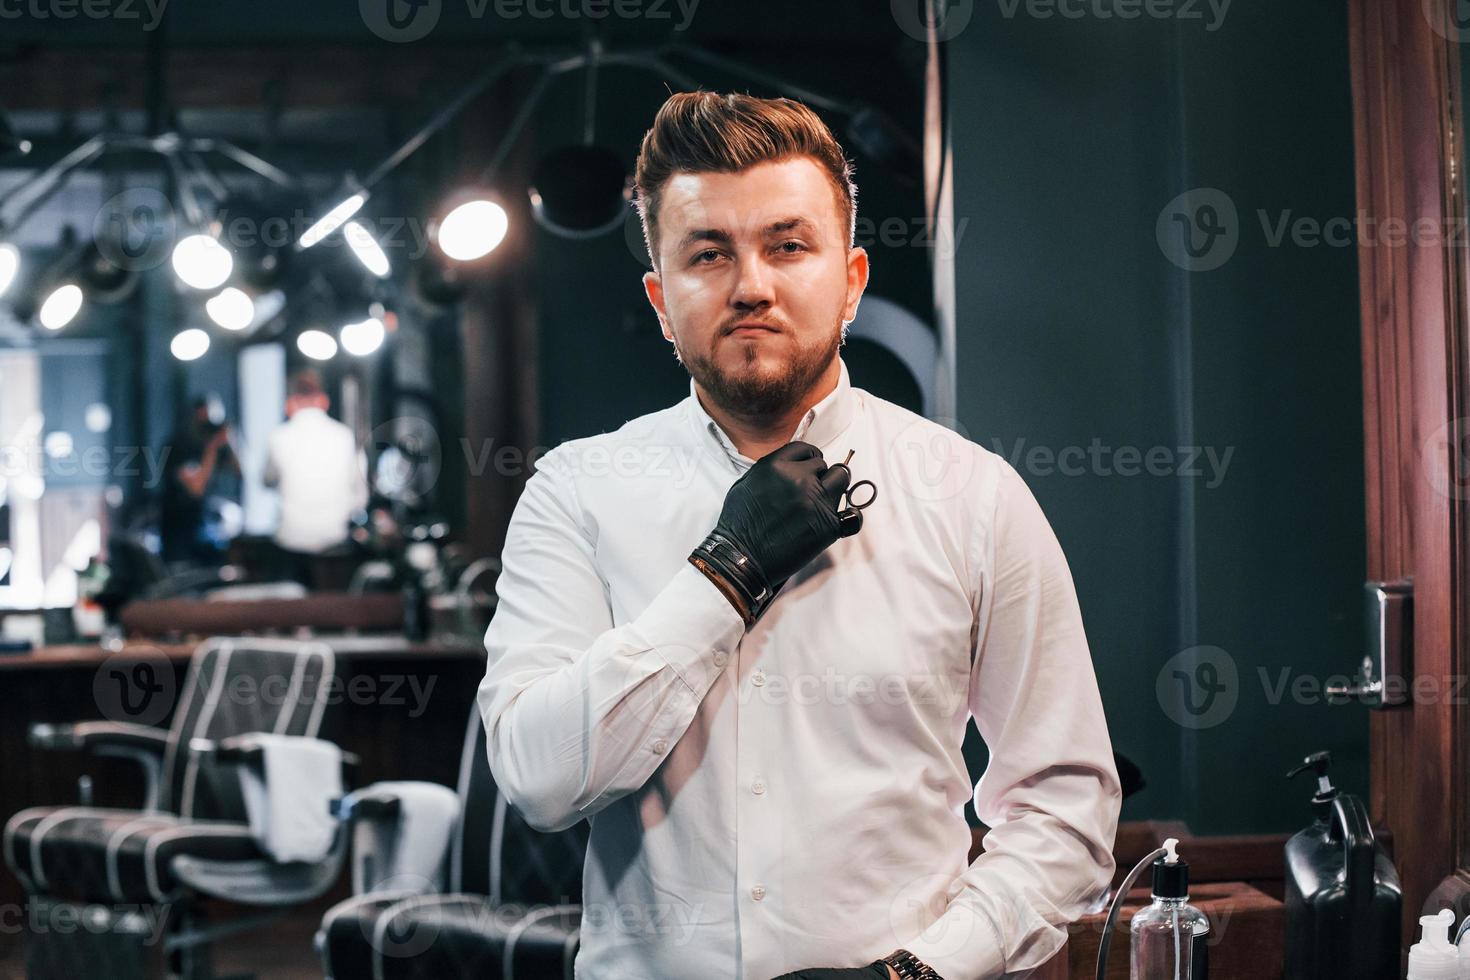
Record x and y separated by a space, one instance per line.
402 833
95 735
246 750
367 804
140 743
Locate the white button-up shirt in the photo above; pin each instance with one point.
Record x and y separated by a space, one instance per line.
321 474
792 796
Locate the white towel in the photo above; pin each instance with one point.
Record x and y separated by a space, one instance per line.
287 804
427 816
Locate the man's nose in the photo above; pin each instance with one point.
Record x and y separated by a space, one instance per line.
752 283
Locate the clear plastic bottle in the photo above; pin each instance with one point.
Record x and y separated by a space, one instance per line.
1169 937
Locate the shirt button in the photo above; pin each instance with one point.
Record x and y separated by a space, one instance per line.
758 892
758 677
720 658
757 787
660 746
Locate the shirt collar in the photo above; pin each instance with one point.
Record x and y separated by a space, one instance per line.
822 423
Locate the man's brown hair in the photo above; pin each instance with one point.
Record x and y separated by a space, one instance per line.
306 383
706 132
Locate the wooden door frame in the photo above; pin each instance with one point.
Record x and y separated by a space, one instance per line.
1406 117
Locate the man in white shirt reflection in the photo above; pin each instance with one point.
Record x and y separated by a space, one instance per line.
321 474
765 731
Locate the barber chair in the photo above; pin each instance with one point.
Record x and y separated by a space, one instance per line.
135 878
512 909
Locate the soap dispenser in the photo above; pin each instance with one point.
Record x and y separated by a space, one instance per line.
1434 957
1343 898
1170 936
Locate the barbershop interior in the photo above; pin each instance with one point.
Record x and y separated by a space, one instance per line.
295 299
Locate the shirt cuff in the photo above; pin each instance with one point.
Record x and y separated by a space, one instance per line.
692 626
979 956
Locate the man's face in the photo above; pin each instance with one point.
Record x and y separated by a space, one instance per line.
768 246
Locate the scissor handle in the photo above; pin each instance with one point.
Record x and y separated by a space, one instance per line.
872 494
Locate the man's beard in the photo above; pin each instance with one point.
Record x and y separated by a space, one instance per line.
750 395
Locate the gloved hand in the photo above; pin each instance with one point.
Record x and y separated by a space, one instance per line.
875 970
778 516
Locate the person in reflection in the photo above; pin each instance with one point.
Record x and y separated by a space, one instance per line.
201 459
315 464
759 703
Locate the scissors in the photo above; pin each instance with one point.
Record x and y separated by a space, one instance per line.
849 511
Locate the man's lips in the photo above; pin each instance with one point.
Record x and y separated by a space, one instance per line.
749 329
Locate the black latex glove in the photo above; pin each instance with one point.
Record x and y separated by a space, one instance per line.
782 512
877 970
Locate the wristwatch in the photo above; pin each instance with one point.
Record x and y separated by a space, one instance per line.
910 967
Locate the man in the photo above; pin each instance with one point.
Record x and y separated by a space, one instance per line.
320 472
777 784
200 453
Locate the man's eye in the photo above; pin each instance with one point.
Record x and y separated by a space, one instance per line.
699 256
799 247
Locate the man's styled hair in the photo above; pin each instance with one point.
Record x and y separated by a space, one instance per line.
706 132
305 383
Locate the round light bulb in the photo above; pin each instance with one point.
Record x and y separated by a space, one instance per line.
202 262
61 307
189 345
317 345
231 308
361 339
472 230
367 249
9 265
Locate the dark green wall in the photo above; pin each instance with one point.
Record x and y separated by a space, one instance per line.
1071 136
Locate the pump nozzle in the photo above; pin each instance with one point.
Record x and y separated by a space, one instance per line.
1319 763
1432 957
1171 845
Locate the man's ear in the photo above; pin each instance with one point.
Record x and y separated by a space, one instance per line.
653 286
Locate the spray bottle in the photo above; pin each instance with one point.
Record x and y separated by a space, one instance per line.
1168 937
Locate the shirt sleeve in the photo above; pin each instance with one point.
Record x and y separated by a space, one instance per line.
578 712
271 474
1050 794
358 482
